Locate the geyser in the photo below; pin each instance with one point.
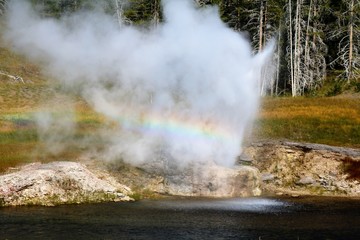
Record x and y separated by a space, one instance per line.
186 89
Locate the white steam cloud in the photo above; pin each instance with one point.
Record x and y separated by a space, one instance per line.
187 89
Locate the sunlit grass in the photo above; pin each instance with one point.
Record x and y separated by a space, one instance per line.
20 102
333 121
15 153
20 142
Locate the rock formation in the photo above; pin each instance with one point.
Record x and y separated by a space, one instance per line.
302 168
194 180
214 181
274 167
58 183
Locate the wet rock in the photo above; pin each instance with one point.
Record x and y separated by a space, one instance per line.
205 180
214 181
58 183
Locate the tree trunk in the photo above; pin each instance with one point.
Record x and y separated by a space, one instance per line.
351 41
119 12
156 13
291 50
278 62
297 50
307 35
261 27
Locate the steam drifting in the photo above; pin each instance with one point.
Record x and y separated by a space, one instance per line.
187 88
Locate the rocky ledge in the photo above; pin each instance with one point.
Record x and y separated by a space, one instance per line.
201 180
270 167
306 169
210 181
94 181
59 183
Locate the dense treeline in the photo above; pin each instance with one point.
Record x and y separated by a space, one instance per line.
316 40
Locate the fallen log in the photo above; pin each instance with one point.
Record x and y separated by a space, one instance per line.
14 77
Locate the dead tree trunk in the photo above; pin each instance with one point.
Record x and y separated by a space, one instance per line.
119 13
261 25
291 57
351 40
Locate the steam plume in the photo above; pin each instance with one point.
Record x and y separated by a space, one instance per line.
187 87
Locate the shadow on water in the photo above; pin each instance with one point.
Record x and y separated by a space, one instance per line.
184 218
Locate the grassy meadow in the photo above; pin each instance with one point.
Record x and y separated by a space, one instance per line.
331 120
327 120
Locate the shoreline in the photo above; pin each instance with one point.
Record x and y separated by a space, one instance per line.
277 169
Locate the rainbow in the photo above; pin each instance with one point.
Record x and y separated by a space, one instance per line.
174 126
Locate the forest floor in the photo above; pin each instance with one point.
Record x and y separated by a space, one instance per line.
327 120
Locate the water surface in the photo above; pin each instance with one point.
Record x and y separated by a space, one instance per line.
246 218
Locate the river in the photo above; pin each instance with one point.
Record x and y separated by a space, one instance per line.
188 218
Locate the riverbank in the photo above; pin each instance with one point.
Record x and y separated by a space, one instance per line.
59 183
269 168
299 169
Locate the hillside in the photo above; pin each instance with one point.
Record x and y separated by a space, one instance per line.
327 120
27 98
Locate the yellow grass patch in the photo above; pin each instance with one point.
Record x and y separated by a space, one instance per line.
334 121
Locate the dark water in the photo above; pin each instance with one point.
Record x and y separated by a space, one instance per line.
250 218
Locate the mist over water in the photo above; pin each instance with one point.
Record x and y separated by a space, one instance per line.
188 86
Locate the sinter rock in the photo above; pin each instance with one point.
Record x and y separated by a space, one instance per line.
210 180
58 183
307 169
